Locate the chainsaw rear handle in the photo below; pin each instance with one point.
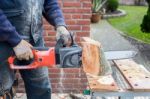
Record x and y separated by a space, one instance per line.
41 58
11 61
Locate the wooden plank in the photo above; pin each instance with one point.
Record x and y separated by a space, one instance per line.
136 75
102 83
91 56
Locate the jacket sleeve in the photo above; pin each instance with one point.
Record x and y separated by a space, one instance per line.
8 33
53 13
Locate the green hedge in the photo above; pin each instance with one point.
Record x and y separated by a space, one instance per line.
112 5
145 26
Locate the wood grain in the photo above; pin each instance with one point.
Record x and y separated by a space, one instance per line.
136 75
91 56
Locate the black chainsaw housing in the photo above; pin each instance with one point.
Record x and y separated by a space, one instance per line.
68 57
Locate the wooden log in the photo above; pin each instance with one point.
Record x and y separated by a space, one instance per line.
91 56
136 75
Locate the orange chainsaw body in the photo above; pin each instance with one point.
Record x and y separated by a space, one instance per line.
41 58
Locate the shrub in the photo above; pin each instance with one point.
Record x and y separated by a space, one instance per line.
145 26
97 5
112 5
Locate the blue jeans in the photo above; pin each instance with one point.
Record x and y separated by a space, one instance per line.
36 81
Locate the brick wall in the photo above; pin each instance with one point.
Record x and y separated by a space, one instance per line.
77 16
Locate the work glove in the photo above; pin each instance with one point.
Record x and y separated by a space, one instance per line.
64 34
23 50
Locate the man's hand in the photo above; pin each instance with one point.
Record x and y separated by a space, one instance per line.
23 50
64 33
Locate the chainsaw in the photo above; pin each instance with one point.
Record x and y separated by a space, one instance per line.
60 55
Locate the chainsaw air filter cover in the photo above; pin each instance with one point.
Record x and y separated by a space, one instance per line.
70 57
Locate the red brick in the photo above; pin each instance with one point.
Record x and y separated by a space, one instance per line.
54 85
80 85
56 75
76 16
78 39
59 75
65 85
85 10
69 75
48 27
59 90
51 33
80 75
20 81
50 38
86 28
21 85
50 44
72 4
83 22
69 10
55 80
54 70
74 27
45 34
72 81
70 22
83 80
20 90
71 70
17 74
80 10
45 21
83 34
86 16
67 16
87 5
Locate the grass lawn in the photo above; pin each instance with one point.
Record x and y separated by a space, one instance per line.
130 24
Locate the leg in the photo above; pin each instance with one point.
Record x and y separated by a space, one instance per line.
6 74
36 81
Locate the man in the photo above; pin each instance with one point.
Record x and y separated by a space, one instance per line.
23 19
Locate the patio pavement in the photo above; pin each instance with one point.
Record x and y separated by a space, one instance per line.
109 37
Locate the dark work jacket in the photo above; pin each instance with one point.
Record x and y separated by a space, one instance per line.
24 17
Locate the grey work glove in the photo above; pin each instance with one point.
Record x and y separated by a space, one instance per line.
64 33
23 50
